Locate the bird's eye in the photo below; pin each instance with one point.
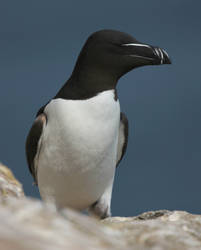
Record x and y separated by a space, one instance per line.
116 44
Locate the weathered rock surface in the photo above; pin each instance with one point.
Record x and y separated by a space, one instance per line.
9 186
30 224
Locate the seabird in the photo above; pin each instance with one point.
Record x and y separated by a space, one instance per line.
79 137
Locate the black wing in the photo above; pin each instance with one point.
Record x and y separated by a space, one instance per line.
33 143
123 137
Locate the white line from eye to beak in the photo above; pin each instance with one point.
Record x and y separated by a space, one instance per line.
136 44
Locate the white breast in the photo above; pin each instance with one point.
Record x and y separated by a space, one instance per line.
79 149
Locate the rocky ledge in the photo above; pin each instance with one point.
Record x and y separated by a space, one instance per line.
30 224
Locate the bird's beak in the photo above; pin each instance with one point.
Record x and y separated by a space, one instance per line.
161 55
146 54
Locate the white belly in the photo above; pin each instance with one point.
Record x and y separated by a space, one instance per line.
79 148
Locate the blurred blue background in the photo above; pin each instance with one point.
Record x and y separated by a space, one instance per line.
39 43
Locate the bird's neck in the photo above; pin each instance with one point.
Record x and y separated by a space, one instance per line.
84 84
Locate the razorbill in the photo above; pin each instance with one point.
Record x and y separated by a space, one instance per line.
79 137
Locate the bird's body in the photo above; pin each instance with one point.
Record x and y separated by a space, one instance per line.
80 136
79 150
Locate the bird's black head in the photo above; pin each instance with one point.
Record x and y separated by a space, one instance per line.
116 53
108 54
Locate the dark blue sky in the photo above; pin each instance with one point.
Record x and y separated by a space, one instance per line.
39 43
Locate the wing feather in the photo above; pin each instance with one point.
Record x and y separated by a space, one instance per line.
123 137
33 143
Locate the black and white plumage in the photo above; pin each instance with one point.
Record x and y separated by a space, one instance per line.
80 136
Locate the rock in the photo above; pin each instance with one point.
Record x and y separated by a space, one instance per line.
9 186
30 224
159 230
